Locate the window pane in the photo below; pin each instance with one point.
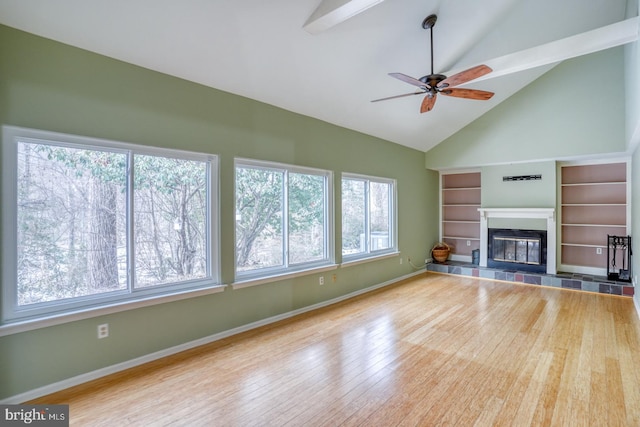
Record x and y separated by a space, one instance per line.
306 218
259 216
170 220
71 223
353 217
379 215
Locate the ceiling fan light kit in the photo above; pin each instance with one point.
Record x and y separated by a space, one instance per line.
433 84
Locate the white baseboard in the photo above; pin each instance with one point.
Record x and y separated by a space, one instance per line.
89 376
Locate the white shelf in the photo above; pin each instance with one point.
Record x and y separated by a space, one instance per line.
461 238
582 184
583 245
595 225
593 204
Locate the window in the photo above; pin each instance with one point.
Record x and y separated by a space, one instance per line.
282 219
368 216
95 222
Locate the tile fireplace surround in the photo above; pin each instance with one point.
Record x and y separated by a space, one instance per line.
581 282
552 278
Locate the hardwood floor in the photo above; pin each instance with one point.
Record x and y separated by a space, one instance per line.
434 350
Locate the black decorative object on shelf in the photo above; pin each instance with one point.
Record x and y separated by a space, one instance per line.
619 258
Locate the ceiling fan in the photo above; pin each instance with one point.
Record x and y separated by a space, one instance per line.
433 84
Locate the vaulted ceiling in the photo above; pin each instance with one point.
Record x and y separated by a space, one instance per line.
328 59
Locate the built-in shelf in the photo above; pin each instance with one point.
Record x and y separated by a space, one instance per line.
460 188
461 195
461 238
596 225
594 205
578 184
464 222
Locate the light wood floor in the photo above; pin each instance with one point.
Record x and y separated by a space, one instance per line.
435 350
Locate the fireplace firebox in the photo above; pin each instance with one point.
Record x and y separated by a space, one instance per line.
513 249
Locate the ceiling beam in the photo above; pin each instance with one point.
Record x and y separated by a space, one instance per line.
606 37
333 12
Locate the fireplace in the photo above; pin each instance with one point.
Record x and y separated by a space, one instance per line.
524 250
548 214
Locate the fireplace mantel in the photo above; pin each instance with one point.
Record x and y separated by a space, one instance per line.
526 213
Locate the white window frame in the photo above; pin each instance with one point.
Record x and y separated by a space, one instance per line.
267 274
393 215
12 313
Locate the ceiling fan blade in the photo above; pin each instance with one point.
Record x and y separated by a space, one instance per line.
428 102
398 96
408 79
481 95
466 76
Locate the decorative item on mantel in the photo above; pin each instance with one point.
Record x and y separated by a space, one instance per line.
440 252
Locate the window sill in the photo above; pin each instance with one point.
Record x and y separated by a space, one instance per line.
262 280
90 312
349 263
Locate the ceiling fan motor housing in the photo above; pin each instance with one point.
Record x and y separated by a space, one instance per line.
433 80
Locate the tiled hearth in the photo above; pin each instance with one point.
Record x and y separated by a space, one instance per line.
583 282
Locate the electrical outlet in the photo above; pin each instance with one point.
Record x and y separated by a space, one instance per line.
322 280
334 278
103 330
599 251
468 242
400 260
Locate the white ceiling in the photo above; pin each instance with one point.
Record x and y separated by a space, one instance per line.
259 49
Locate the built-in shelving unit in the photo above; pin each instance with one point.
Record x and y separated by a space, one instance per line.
594 205
460 216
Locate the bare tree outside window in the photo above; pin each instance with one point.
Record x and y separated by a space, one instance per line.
71 223
367 215
379 215
306 218
281 218
259 216
353 216
170 209
72 236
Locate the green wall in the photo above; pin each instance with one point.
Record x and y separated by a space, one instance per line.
497 193
635 222
632 80
51 86
577 108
